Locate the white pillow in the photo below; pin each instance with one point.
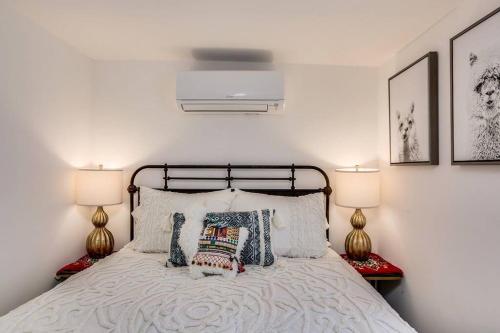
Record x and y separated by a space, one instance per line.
153 228
179 202
299 225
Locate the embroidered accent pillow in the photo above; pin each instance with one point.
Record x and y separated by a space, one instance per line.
219 250
257 250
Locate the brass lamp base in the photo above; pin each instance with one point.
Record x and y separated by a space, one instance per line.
100 241
357 243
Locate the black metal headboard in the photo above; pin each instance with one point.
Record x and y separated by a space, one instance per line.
291 191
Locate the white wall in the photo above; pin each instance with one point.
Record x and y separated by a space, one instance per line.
330 120
441 224
45 104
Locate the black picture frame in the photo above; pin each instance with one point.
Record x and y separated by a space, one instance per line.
463 33
433 102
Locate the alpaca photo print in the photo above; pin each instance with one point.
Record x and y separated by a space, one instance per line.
409 149
413 113
475 59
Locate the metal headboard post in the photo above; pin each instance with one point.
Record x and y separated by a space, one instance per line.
229 175
165 170
292 191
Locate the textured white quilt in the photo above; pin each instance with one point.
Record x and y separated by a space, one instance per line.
135 292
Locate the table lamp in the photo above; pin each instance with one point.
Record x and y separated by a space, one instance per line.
99 187
357 188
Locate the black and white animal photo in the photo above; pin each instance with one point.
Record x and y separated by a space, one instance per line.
485 113
409 150
413 113
475 107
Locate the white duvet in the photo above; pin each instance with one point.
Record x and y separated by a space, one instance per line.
135 292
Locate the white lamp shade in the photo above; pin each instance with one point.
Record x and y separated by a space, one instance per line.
357 187
99 187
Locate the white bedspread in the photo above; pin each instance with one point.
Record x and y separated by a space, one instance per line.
135 292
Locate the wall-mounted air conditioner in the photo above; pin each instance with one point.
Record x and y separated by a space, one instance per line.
234 92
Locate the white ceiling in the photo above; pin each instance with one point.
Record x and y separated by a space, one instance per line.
341 32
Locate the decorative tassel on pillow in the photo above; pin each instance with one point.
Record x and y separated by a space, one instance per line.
277 221
207 260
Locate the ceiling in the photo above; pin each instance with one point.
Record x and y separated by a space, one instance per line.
340 32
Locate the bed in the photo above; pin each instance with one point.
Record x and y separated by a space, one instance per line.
131 291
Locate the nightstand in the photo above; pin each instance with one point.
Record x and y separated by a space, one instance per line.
376 269
74 267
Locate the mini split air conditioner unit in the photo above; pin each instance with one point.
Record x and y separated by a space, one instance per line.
230 92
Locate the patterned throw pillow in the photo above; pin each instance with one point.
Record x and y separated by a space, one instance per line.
257 249
219 250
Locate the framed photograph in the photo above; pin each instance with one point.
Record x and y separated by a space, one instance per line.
475 92
413 113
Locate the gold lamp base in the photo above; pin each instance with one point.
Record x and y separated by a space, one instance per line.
357 243
100 241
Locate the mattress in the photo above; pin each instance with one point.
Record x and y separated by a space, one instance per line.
134 292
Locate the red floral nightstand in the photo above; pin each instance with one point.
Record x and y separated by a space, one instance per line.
376 269
75 267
